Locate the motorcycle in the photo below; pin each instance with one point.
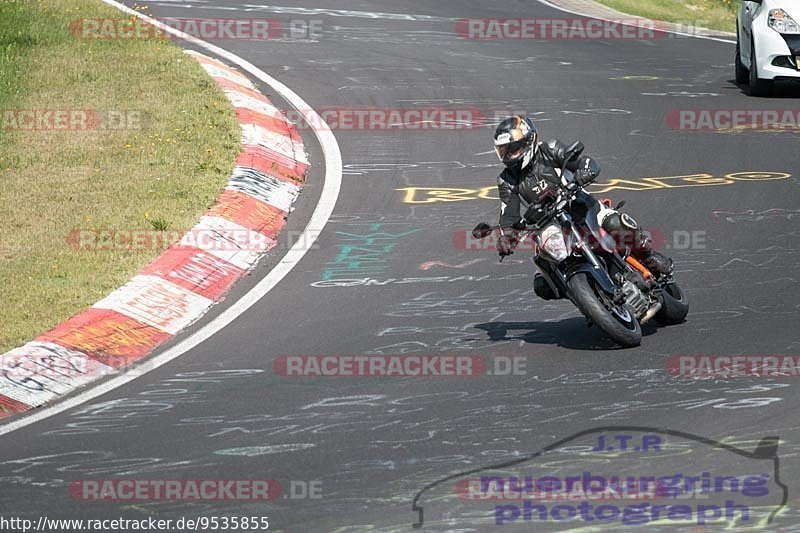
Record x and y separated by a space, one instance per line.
609 287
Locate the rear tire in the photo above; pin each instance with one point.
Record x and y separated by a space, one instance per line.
591 302
674 306
757 86
742 74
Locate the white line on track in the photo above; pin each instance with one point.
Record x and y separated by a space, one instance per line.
565 10
319 218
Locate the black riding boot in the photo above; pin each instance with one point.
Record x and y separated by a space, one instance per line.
655 262
543 289
630 239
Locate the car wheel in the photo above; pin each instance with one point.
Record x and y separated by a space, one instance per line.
742 74
757 86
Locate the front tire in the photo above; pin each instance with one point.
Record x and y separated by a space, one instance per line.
618 322
757 86
742 74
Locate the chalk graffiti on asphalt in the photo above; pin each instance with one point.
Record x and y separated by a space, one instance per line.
363 250
428 195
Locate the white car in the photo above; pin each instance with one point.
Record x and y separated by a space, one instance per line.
767 43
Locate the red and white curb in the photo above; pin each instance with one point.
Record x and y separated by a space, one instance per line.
181 285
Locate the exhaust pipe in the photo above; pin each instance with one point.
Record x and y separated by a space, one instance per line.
651 313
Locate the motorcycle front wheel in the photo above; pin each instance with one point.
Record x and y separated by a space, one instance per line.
617 321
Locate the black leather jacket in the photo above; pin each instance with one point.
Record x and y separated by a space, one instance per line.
525 186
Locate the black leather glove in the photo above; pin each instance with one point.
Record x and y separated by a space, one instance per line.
588 170
506 243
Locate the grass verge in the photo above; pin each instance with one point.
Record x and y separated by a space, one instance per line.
159 165
712 14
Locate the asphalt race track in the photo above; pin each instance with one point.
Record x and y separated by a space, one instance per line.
368 446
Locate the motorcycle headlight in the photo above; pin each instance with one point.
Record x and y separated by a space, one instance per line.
780 21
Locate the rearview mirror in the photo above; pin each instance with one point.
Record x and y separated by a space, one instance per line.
482 230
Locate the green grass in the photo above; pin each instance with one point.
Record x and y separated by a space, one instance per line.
162 175
712 14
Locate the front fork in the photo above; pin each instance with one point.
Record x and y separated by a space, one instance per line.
566 220
595 268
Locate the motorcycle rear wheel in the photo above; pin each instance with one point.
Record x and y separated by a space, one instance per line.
617 321
674 306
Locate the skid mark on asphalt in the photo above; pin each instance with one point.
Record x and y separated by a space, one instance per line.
430 264
91 463
256 451
130 413
685 94
752 215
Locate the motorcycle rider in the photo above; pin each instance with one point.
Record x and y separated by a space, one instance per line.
532 176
